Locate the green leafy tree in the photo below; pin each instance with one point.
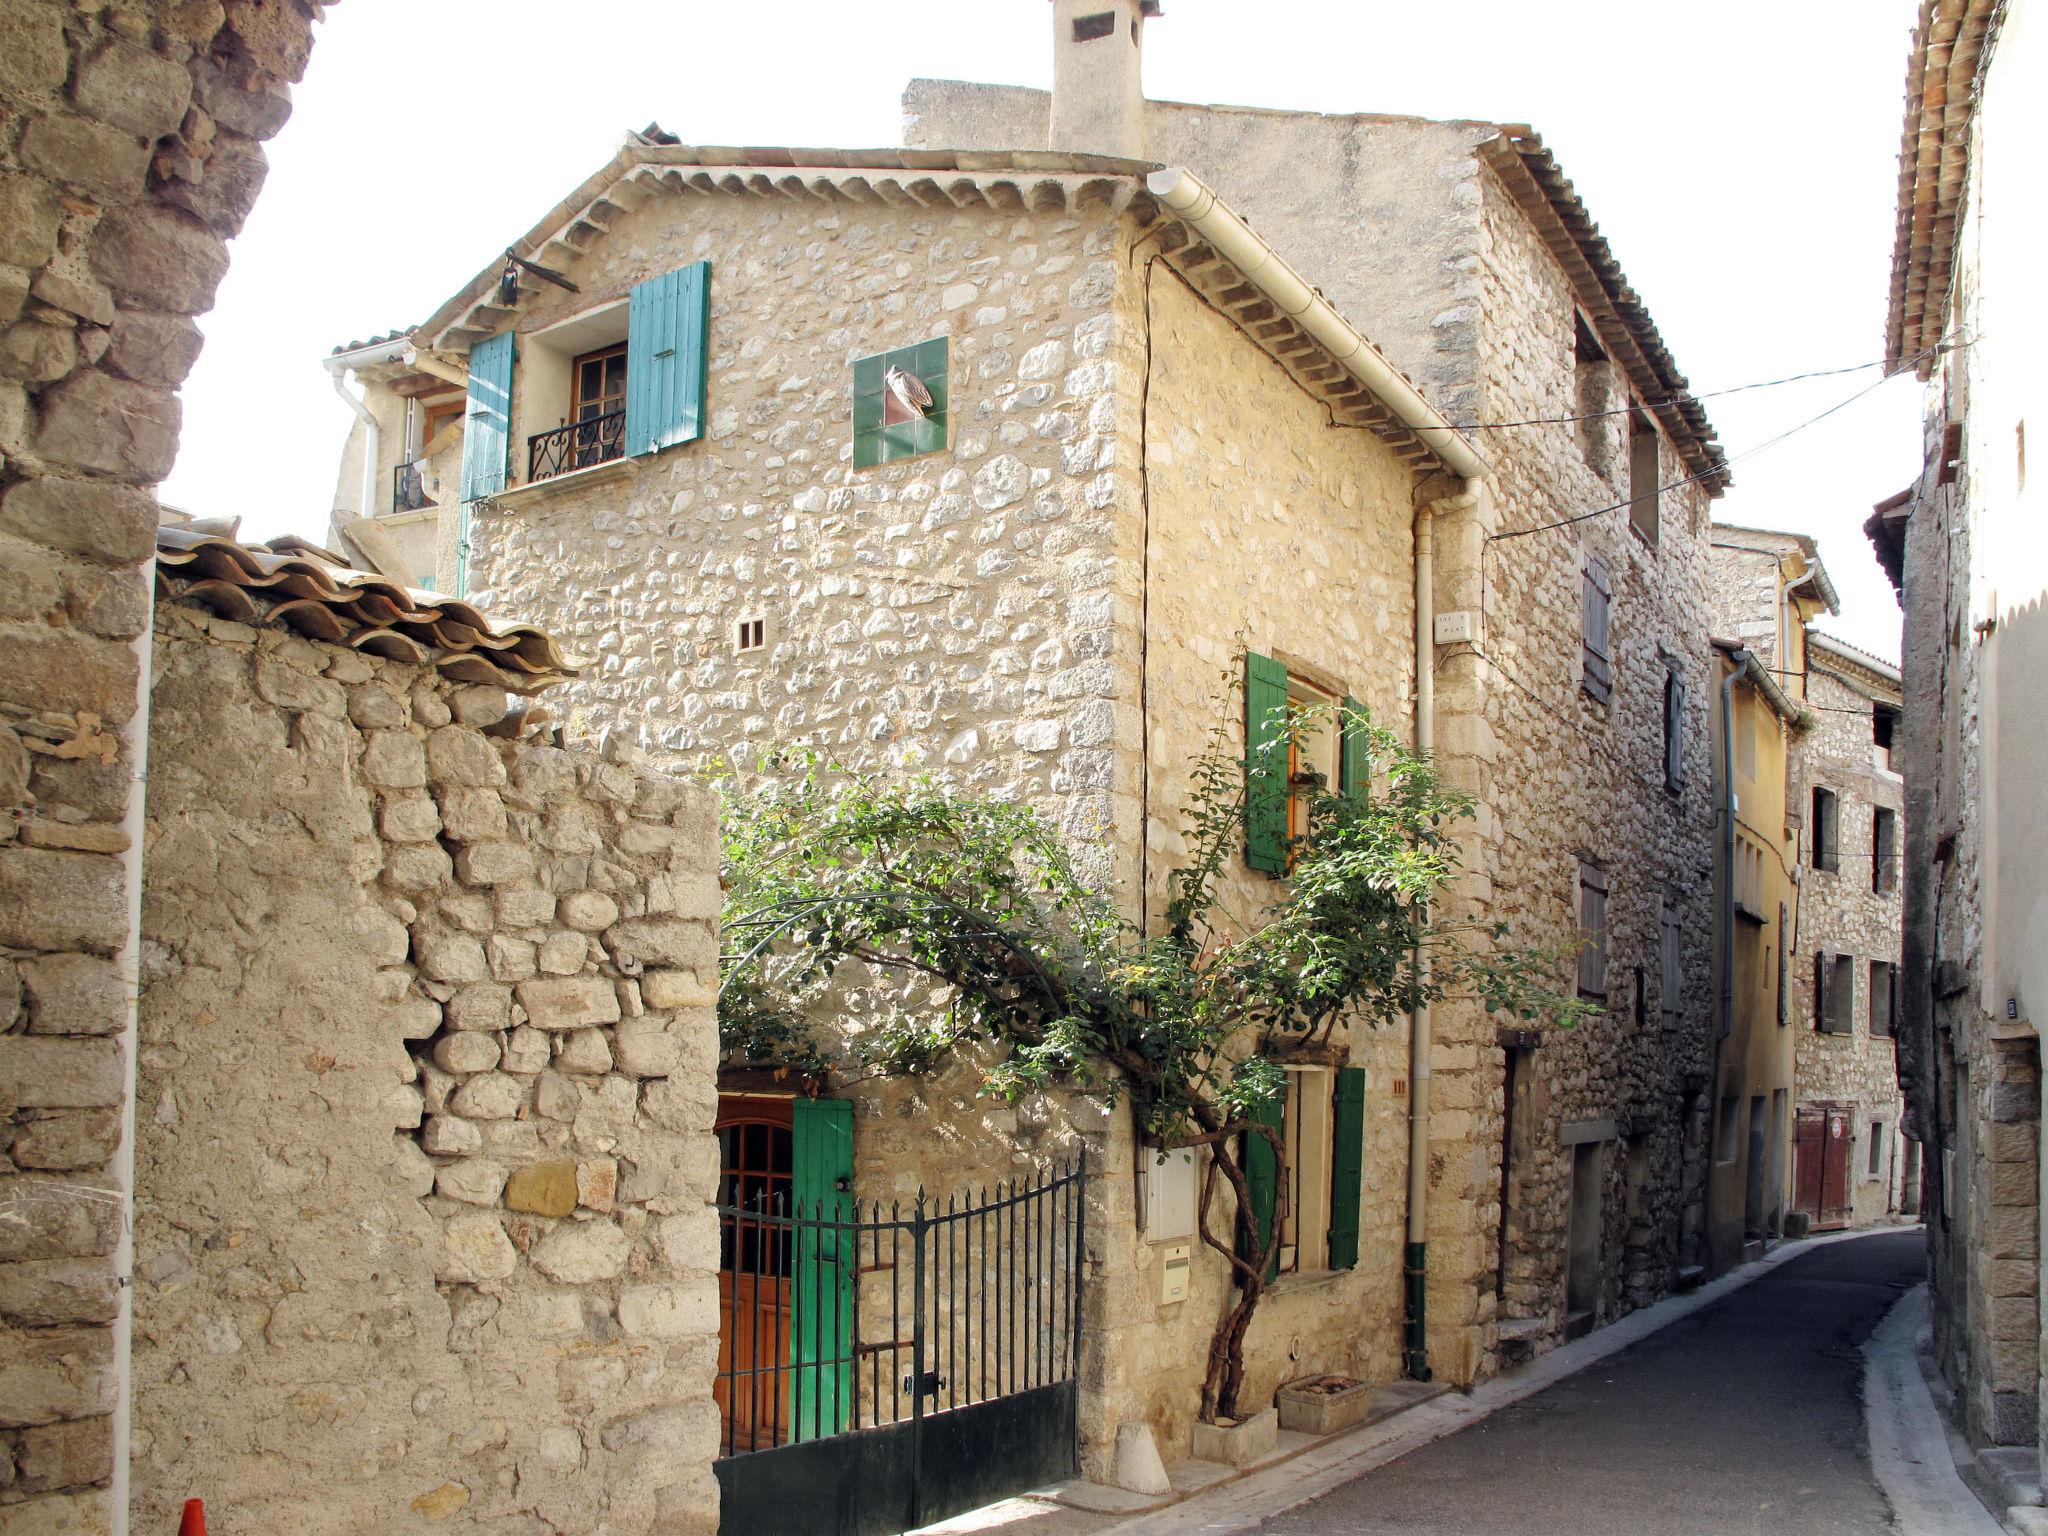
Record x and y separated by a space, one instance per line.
1043 984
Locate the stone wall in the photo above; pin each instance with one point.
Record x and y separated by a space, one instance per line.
130 151
979 615
1459 292
424 1158
1839 912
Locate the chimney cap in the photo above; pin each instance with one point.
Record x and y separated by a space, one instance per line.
1149 7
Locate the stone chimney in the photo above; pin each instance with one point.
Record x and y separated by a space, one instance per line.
1098 103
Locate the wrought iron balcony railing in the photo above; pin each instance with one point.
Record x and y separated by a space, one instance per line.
408 487
576 445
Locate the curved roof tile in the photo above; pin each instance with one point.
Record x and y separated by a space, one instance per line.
255 585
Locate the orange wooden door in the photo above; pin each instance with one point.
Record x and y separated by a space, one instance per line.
752 1387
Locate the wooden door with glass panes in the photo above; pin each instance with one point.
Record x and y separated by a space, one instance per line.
598 405
756 1162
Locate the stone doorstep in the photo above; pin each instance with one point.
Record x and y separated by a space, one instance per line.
1192 1476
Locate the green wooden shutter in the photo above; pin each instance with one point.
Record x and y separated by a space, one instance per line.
1262 1179
822 1272
1354 760
1265 812
487 433
1347 1163
667 319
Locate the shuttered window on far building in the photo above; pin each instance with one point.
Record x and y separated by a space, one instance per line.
1596 671
1592 930
1670 964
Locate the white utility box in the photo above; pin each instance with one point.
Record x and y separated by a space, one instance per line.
1176 1259
1169 1194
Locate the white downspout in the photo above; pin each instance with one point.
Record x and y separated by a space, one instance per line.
373 445
338 366
135 737
1415 1258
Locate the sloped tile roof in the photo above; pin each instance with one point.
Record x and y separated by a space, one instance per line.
253 584
1951 43
1540 186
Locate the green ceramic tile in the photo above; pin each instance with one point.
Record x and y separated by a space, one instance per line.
873 441
867 449
867 413
867 375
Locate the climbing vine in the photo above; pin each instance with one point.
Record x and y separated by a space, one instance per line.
1045 983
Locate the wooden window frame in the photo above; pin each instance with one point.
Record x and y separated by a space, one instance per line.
598 355
1645 464
1827 829
1884 850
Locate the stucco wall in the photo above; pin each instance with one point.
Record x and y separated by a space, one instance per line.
426 1092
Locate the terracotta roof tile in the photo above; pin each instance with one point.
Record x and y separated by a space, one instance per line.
254 584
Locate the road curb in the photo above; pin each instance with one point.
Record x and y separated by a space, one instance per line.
1248 1501
1909 1448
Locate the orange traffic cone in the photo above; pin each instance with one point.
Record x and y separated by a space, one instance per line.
194 1522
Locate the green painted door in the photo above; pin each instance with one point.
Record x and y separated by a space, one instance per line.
821 1284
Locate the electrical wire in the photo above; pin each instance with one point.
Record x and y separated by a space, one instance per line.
1705 394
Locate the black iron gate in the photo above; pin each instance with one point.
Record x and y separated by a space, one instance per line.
927 1364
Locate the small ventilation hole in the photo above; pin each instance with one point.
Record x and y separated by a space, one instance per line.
750 635
1089 28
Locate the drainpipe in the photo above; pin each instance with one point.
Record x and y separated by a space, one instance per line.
338 366
135 738
1724 1023
1415 1256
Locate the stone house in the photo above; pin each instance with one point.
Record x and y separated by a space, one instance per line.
1572 675
1964 546
1842 800
1851 1165
1748 1171
132 152
1140 459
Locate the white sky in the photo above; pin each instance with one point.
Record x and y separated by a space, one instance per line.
1740 157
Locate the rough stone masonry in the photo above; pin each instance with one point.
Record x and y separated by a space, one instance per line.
130 151
424 1158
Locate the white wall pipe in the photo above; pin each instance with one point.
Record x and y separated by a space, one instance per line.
1420 1036
338 368
1201 210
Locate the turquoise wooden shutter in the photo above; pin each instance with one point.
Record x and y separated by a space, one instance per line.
1265 809
1354 770
1347 1162
667 319
487 434
821 1275
1262 1179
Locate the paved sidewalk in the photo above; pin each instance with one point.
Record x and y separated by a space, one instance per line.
1745 1417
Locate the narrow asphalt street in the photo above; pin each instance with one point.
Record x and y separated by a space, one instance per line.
1744 1418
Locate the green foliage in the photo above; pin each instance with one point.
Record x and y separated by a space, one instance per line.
1045 982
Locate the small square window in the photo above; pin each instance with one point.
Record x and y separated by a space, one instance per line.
891 420
750 635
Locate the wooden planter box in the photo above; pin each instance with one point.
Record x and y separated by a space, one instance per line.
1322 1405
